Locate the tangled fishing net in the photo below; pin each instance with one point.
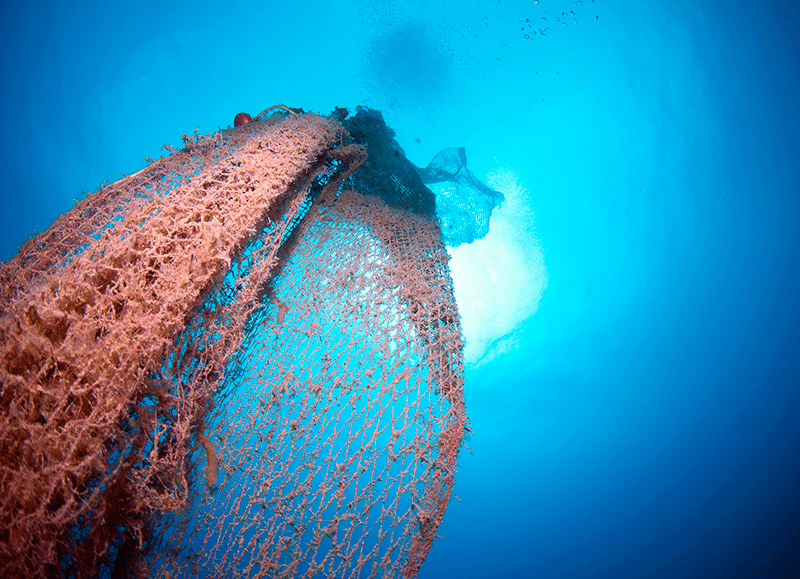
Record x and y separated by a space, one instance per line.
242 361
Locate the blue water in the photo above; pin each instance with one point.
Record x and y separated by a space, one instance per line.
632 318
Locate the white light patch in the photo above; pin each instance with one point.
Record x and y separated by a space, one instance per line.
499 279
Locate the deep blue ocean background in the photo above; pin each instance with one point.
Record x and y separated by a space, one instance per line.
633 316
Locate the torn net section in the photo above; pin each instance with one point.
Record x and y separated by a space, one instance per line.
445 189
179 398
463 203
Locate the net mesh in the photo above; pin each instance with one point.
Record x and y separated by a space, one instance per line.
228 365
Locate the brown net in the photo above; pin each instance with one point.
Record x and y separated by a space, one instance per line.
222 365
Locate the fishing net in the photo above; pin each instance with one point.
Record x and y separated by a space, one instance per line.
243 360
